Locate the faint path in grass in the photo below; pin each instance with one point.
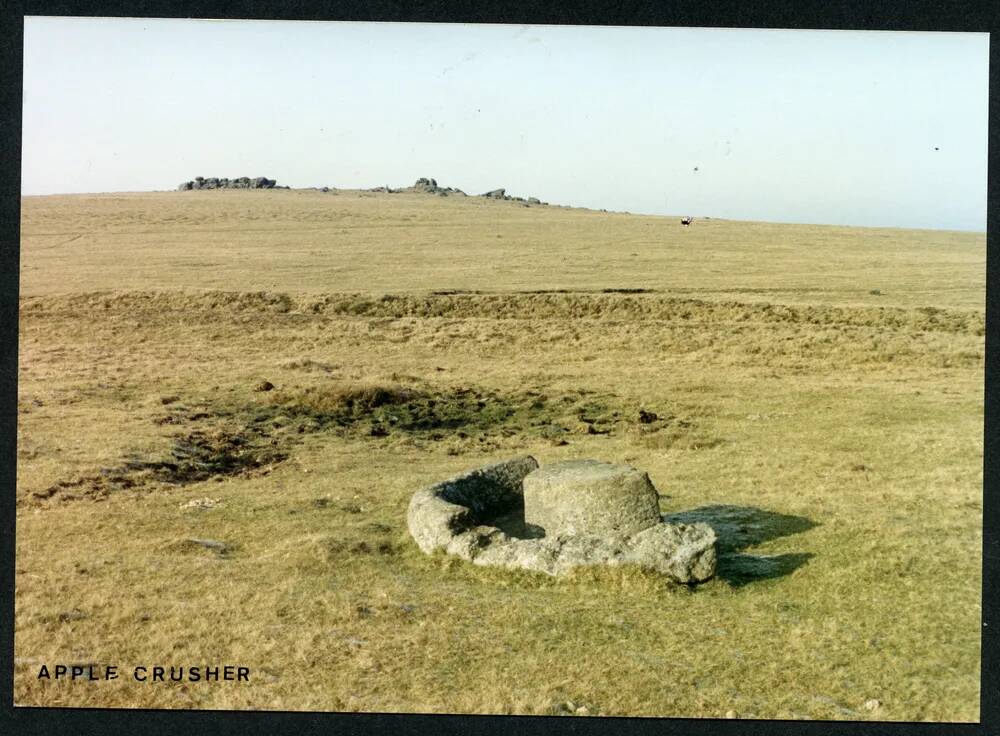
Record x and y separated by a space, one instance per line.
739 527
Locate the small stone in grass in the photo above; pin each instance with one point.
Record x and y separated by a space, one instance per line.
220 547
730 714
263 386
201 503
872 704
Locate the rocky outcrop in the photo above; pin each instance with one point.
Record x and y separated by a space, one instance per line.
427 185
430 186
242 182
618 521
502 194
423 185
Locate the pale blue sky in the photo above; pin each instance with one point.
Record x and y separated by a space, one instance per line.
789 126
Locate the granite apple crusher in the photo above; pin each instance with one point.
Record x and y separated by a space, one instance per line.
515 514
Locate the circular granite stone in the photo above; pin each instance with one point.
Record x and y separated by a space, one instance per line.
588 497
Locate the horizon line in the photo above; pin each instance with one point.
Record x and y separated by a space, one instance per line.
548 204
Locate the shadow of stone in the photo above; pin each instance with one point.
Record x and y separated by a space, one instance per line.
512 522
738 527
738 569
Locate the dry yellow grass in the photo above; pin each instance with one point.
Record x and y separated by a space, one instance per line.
306 241
834 435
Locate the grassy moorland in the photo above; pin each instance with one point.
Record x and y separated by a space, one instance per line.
819 399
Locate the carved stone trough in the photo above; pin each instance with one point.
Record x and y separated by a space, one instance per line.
515 514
